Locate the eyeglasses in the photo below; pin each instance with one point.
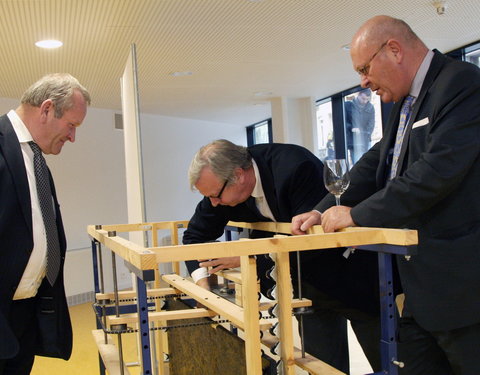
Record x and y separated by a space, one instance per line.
363 70
219 195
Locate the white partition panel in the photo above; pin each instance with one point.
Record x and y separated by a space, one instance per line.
133 148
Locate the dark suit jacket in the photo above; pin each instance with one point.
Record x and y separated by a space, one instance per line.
16 244
436 192
292 179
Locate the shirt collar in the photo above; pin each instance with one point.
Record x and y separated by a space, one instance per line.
421 74
19 127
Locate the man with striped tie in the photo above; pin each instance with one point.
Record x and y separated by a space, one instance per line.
423 174
34 317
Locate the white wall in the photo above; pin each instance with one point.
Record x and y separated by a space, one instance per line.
90 180
169 145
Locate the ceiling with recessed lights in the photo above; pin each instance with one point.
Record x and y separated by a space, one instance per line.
215 60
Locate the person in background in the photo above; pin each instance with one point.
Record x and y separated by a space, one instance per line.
34 317
359 124
274 182
423 174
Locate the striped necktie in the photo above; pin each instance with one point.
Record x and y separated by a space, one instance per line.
46 205
402 124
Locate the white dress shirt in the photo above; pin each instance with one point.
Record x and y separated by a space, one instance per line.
35 270
263 207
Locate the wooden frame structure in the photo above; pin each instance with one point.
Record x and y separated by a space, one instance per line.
143 262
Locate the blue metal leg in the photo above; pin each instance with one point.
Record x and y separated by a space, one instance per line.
144 326
96 286
96 283
388 344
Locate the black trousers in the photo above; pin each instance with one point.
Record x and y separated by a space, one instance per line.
454 352
23 321
325 331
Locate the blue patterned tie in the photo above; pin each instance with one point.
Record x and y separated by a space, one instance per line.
46 205
404 116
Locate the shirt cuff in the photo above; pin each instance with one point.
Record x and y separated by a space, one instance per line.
199 273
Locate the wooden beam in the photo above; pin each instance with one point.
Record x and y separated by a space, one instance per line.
346 238
274 227
139 256
131 294
216 303
304 302
162 316
232 275
312 365
253 354
284 295
147 258
109 353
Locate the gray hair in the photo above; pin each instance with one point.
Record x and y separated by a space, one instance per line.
222 157
59 87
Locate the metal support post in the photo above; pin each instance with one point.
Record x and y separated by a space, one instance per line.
142 307
96 286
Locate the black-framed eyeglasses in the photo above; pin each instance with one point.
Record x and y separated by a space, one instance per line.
363 70
219 195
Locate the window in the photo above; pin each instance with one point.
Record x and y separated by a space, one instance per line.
334 124
362 121
472 54
260 132
326 142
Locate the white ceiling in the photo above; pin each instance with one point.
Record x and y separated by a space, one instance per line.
234 48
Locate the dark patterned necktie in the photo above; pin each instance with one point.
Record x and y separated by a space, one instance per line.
402 124
46 205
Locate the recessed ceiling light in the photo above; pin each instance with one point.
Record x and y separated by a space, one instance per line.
346 47
263 93
49 43
181 74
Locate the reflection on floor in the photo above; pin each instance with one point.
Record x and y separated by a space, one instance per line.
84 360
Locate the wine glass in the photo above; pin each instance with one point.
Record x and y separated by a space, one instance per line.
336 177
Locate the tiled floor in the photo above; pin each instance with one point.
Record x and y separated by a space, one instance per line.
84 360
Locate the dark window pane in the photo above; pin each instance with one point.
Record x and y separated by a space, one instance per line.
326 145
363 123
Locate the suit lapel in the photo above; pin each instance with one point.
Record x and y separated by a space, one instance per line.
437 63
12 154
388 141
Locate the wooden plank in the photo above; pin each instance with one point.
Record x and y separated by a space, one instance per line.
312 365
140 257
274 227
221 306
284 293
131 294
232 275
147 258
268 226
174 241
143 226
253 352
162 316
109 353
347 238
304 302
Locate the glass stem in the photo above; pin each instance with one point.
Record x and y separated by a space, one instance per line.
337 200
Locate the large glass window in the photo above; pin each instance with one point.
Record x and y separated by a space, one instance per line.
260 132
362 121
472 54
344 120
326 142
